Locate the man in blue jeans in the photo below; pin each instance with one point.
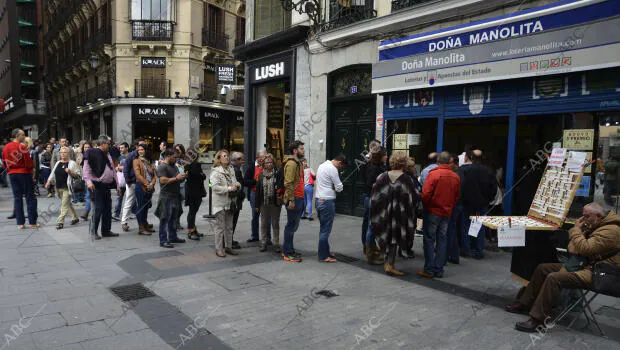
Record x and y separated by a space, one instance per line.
16 160
327 184
293 198
251 178
440 193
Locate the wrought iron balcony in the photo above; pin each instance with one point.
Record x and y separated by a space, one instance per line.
401 4
214 39
152 30
208 92
158 88
354 11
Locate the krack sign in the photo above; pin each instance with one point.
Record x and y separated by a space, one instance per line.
271 71
151 112
153 62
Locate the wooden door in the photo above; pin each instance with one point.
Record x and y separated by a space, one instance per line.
352 127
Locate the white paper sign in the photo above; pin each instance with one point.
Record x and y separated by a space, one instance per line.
414 139
474 228
511 236
557 157
576 160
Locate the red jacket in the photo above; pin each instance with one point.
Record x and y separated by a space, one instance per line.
16 158
441 191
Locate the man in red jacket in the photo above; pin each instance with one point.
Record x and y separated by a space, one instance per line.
440 193
16 159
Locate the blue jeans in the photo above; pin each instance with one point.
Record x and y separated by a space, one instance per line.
168 223
22 186
46 172
475 249
143 201
119 202
308 195
326 210
455 228
366 220
435 230
292 223
102 199
88 195
256 220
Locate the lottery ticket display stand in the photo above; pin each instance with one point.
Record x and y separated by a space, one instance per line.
547 213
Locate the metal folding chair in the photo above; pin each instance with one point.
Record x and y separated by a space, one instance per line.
585 302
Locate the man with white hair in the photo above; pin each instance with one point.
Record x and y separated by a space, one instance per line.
251 178
595 238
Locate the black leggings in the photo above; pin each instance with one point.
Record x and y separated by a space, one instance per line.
194 205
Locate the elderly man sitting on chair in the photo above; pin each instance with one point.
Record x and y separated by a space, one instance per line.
595 237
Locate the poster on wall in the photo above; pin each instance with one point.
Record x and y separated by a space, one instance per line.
275 112
579 139
400 141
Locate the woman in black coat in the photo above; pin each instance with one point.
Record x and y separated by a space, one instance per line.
194 192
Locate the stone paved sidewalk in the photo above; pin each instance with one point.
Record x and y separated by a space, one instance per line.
54 294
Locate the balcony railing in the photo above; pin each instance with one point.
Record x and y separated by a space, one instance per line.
159 88
210 92
356 11
214 39
401 4
152 30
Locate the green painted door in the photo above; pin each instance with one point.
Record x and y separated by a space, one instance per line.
351 128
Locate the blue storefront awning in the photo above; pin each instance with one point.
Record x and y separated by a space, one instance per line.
521 23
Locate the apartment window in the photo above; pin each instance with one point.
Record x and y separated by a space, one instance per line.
240 31
269 18
213 33
153 10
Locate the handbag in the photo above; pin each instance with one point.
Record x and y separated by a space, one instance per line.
78 185
120 178
606 279
575 262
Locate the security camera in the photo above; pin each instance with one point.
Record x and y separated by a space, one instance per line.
223 91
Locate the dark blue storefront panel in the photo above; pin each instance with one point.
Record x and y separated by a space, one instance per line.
569 93
478 100
578 92
581 92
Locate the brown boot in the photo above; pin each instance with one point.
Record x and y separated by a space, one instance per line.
148 228
391 270
371 257
143 230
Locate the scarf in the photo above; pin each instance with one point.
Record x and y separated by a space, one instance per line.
145 163
268 188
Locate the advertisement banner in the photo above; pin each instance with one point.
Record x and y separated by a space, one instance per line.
584 47
225 73
579 139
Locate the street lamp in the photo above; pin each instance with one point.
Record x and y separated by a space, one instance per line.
312 8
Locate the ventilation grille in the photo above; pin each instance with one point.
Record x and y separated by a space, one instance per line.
132 292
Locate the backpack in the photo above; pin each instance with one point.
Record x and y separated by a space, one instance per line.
279 185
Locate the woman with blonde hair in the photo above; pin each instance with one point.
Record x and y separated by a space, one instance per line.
62 176
224 186
391 209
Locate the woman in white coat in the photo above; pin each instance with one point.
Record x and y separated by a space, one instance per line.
62 176
225 187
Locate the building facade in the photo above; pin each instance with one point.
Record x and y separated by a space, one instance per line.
21 88
146 68
329 101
